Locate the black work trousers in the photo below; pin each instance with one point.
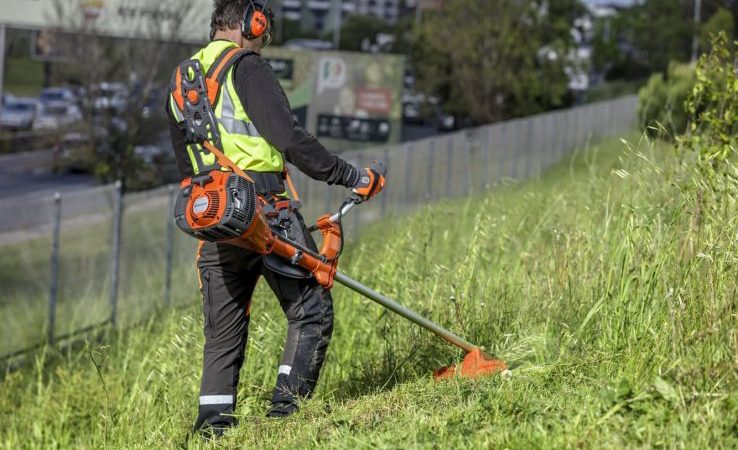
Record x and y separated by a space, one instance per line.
228 275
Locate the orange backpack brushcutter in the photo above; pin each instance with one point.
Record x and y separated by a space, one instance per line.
221 204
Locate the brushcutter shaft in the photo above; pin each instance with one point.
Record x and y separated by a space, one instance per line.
345 210
405 312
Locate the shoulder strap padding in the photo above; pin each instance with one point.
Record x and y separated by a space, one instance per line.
213 79
218 71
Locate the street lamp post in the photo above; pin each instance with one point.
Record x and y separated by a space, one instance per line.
696 32
337 10
2 58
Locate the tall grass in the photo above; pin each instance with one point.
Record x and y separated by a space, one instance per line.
608 285
84 276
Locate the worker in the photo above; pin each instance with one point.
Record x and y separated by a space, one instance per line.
259 133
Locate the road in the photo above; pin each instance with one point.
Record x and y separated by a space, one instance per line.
29 174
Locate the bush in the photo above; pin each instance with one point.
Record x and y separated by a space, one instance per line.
712 108
661 108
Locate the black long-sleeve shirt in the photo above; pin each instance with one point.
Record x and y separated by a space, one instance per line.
268 108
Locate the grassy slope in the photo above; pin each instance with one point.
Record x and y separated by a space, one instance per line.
611 291
84 276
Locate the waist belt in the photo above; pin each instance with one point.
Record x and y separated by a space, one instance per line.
268 182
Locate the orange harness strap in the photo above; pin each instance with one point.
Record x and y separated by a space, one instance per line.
291 185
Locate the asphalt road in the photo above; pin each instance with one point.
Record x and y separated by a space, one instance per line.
29 174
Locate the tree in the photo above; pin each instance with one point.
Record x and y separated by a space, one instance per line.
656 33
292 29
141 61
721 21
356 28
495 59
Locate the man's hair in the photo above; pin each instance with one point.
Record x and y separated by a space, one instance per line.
227 15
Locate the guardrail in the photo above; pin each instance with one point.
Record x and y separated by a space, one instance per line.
87 258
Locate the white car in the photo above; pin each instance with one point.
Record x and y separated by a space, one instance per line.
19 114
110 96
56 116
56 96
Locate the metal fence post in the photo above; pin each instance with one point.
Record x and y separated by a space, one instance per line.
501 152
540 136
115 258
170 249
449 164
407 148
467 150
54 282
431 164
484 183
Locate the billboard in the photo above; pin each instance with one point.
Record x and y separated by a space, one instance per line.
357 98
348 100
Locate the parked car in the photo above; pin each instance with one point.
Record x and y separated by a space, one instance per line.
75 152
154 103
110 97
411 113
446 121
19 114
413 107
56 96
148 153
54 116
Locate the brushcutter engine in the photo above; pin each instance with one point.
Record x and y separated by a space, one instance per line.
223 207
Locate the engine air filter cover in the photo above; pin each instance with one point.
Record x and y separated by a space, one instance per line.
216 207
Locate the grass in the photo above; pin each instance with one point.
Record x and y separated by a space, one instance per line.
84 276
609 285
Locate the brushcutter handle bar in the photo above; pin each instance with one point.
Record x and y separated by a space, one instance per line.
347 205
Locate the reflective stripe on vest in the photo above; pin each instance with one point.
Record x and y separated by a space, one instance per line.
242 143
228 120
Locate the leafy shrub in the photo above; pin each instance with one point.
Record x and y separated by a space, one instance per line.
661 109
712 109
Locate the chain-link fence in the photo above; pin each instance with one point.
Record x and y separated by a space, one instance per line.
86 259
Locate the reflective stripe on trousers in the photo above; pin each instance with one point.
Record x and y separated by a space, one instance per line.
216 399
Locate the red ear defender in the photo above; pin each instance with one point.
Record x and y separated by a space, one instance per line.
259 23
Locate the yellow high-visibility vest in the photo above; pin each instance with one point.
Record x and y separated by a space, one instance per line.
240 139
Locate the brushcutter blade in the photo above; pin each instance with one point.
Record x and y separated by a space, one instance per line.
475 364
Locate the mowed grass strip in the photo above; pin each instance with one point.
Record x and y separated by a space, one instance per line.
609 285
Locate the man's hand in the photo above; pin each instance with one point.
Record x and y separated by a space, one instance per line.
371 181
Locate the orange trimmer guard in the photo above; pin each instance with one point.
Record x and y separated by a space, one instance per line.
475 364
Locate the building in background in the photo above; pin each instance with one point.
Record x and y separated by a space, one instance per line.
320 15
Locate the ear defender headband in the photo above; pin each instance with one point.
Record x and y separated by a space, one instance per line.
257 21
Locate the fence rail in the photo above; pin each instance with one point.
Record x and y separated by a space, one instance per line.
72 262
